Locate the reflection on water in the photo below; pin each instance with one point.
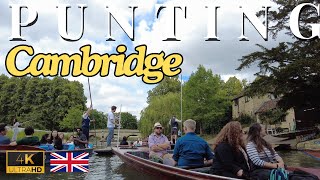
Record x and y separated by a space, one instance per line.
111 167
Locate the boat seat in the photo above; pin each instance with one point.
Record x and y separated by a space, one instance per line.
202 170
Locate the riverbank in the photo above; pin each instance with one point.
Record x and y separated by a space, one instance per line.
313 145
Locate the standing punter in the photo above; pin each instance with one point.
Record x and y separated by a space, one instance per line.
86 122
111 125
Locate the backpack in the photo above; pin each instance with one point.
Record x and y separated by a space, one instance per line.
278 174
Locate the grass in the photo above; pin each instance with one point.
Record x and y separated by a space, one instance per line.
22 135
39 134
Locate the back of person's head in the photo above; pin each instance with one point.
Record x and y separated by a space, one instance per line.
190 125
2 127
124 138
113 107
254 135
231 133
29 131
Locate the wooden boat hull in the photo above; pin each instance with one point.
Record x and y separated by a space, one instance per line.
169 172
161 170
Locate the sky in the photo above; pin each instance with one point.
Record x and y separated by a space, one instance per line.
131 92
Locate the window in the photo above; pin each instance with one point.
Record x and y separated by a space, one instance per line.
236 102
246 99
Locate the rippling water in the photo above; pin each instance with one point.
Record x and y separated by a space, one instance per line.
111 167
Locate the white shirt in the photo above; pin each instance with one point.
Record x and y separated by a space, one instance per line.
110 120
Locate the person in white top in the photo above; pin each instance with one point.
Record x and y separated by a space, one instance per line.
16 125
111 124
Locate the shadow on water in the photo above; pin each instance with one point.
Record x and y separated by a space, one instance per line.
111 167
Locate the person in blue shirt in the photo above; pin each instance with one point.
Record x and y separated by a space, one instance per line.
191 150
3 132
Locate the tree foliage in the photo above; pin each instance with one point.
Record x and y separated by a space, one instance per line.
73 119
42 102
160 109
273 116
168 84
128 121
206 99
291 69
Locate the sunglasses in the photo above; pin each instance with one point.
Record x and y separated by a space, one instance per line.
158 127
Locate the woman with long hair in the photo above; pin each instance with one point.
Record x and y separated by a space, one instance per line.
231 157
261 153
44 139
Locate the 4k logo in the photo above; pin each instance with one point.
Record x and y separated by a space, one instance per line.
25 162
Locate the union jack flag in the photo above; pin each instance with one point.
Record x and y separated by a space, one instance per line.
69 162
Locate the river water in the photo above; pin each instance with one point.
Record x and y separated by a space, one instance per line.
111 167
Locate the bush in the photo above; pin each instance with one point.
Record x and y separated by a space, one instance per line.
245 119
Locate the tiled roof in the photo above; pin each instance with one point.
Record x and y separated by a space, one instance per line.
268 105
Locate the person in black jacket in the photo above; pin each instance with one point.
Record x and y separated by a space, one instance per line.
231 159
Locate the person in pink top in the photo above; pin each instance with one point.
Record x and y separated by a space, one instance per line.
158 144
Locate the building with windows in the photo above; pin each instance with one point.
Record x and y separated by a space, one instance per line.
254 106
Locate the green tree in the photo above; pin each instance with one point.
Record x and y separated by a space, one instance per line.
291 69
100 119
233 87
43 102
272 116
160 110
204 99
167 85
73 119
128 121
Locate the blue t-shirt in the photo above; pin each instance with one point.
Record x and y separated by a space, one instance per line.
85 121
190 150
4 140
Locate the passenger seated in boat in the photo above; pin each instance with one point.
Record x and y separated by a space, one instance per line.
3 132
56 140
44 139
70 141
124 141
29 140
80 141
158 144
231 159
61 136
191 150
261 153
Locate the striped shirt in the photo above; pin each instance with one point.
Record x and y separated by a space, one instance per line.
260 158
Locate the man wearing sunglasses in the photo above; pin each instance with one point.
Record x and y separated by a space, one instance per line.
158 144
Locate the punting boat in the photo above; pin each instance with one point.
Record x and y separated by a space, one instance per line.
139 159
314 154
108 150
